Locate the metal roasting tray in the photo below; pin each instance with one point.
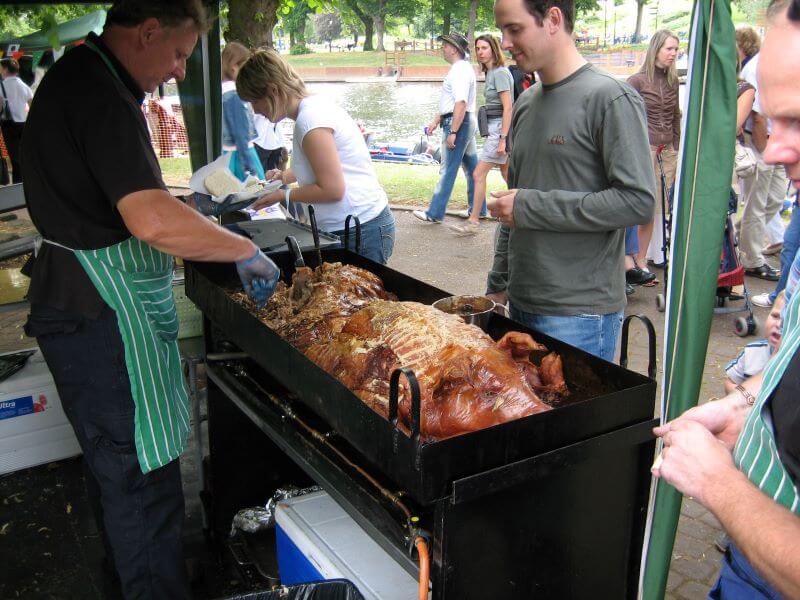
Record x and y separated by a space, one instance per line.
270 234
605 397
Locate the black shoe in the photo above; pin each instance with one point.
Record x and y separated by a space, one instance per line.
637 276
629 291
764 272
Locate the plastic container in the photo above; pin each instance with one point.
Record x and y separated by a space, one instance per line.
317 539
33 427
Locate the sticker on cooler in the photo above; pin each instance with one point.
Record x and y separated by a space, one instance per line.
17 407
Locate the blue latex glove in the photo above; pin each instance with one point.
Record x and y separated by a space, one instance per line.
259 277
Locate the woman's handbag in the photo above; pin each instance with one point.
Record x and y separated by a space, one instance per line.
744 161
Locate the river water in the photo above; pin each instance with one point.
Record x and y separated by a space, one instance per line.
394 111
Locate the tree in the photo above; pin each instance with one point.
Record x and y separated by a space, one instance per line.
637 34
328 27
294 21
251 22
473 15
366 19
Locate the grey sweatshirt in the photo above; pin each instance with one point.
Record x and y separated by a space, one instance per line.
581 162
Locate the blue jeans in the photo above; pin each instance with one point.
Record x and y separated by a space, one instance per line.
632 240
738 580
464 155
791 242
377 237
139 516
595 334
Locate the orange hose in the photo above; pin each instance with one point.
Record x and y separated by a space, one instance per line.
424 567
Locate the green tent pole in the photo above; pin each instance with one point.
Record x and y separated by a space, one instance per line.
702 191
201 95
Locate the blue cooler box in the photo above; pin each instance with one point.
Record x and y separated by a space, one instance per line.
318 540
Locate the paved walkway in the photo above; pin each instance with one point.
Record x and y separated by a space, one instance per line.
431 253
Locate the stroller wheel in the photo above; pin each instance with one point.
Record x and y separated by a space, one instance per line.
744 326
661 303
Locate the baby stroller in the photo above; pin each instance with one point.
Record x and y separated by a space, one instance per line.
731 274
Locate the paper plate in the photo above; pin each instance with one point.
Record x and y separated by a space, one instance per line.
197 182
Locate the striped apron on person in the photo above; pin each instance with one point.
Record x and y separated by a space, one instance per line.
756 455
135 280
756 452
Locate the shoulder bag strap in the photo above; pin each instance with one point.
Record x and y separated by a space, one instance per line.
6 108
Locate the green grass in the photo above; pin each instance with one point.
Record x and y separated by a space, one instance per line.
359 59
413 184
404 184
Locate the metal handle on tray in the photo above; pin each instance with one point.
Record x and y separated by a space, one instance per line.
347 233
651 342
294 248
394 395
315 232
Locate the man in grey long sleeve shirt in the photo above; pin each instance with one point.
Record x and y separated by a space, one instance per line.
579 174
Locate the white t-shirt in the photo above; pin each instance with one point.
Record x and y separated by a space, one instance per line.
269 138
19 95
751 361
458 86
363 195
748 74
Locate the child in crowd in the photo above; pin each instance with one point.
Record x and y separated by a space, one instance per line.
753 358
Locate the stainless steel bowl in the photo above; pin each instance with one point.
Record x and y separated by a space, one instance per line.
475 310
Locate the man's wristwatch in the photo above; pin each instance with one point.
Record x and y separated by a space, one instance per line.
453 131
503 136
748 397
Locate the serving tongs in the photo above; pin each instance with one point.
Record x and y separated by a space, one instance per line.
347 233
315 232
294 248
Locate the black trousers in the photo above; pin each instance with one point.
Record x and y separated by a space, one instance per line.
12 135
140 516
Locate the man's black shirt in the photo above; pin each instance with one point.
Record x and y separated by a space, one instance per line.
785 406
85 147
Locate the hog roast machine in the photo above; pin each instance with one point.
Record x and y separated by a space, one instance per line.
549 506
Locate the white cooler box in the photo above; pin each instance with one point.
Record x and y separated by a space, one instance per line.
318 540
33 427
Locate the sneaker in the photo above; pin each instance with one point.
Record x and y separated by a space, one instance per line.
764 272
772 249
465 229
629 291
423 216
637 276
464 214
762 300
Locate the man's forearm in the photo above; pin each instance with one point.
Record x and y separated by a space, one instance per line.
766 532
155 217
568 211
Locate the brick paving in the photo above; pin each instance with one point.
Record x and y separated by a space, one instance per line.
432 253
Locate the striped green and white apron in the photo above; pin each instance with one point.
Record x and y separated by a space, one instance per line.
135 280
756 452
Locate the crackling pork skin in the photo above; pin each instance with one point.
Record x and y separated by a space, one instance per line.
342 319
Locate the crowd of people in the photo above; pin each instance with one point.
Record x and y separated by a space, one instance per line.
588 159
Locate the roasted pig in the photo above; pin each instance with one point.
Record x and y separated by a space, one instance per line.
342 319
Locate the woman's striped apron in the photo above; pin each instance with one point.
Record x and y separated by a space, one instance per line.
756 452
